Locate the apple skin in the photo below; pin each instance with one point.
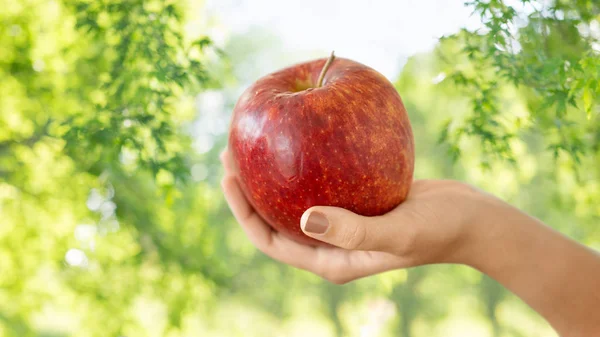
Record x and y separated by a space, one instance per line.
348 143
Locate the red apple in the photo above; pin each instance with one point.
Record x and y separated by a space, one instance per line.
345 143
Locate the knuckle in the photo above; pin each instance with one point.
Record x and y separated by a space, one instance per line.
265 249
355 238
339 281
335 274
336 279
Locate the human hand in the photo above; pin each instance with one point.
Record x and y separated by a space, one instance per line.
442 221
435 224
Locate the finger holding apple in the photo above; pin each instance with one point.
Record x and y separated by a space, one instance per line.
334 264
433 225
329 132
320 161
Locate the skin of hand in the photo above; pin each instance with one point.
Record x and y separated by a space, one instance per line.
442 221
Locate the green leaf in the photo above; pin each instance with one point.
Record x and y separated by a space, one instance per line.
588 101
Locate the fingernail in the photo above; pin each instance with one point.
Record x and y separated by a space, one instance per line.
316 223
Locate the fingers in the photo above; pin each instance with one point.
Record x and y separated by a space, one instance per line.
341 266
227 161
261 235
252 224
334 264
348 230
256 230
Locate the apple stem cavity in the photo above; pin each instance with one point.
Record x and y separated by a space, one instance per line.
324 70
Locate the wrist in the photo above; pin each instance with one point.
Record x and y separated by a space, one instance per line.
505 240
495 235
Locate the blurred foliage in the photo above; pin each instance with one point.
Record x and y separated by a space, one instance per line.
550 51
95 98
111 218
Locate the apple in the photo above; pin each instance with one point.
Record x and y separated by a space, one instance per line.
329 132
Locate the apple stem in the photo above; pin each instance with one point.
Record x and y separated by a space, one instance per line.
324 70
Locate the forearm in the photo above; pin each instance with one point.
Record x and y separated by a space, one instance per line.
555 275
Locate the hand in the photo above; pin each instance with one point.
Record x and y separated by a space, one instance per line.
443 222
431 226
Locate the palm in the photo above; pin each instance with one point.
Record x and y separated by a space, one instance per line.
335 264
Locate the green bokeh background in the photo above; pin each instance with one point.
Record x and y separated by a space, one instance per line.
112 222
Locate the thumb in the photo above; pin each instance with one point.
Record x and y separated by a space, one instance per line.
345 229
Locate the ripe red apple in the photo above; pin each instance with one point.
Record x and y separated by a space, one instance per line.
344 142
